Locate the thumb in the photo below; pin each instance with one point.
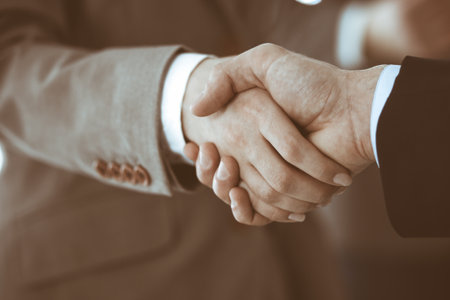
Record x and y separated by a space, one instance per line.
217 92
235 75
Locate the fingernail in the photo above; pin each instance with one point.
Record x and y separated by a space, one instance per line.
203 92
214 186
205 162
234 207
297 217
233 202
222 172
343 179
340 191
192 108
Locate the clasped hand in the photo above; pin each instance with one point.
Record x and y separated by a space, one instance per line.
289 131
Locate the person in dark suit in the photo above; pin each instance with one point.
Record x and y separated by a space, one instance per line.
414 145
397 116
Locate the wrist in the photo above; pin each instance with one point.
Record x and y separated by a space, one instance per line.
360 86
173 91
191 124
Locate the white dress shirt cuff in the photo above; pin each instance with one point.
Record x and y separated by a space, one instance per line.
172 100
2 158
351 35
382 91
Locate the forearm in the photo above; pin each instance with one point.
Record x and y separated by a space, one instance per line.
71 107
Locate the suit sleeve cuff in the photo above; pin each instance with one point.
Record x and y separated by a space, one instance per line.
172 100
382 91
352 28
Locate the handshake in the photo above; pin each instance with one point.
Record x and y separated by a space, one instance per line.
279 134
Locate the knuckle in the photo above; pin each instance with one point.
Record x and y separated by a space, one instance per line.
248 223
255 221
291 151
281 182
269 212
267 193
224 200
243 221
203 181
217 189
321 172
277 215
266 47
203 177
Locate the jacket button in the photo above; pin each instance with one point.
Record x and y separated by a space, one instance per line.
101 167
127 173
114 171
141 176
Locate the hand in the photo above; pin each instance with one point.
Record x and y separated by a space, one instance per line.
224 185
332 106
408 27
254 123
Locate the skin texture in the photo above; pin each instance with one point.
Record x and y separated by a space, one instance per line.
280 169
408 27
396 28
242 131
331 106
225 188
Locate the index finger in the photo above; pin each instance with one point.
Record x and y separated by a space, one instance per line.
235 75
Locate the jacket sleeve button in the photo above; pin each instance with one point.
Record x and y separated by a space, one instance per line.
101 168
114 171
141 176
127 173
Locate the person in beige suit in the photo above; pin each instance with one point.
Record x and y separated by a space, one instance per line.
92 203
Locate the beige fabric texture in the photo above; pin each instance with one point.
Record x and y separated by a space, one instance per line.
80 81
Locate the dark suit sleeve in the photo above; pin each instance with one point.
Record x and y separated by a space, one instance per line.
413 142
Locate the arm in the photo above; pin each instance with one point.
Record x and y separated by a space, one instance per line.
315 167
305 89
72 107
413 142
312 86
412 132
264 170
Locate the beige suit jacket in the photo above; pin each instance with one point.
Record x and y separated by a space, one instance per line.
80 81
